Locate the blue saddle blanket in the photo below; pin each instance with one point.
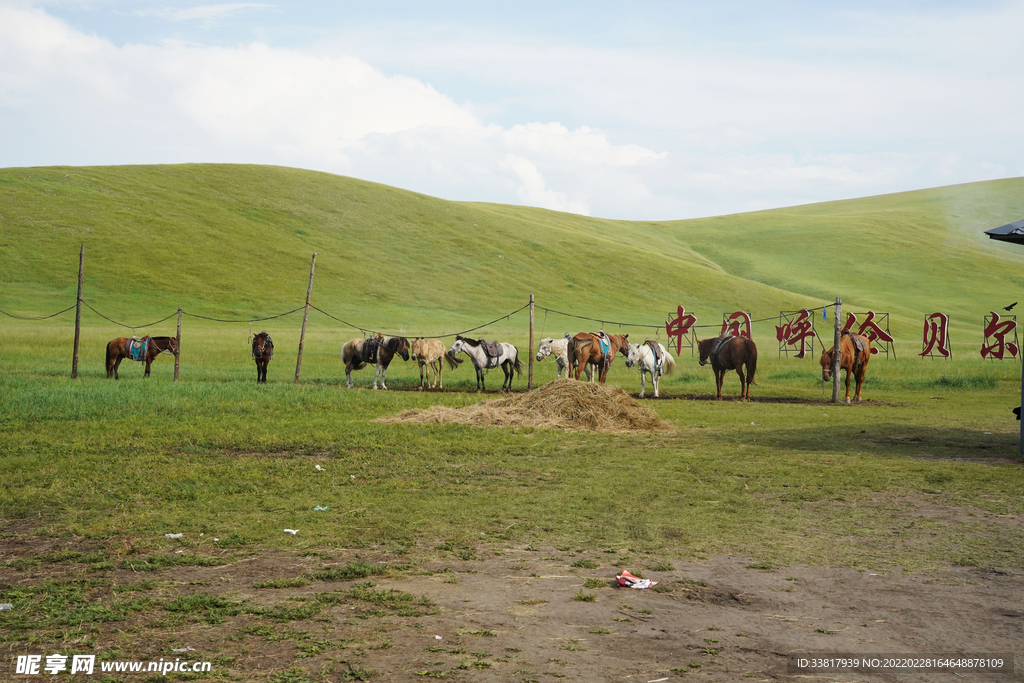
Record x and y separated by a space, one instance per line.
606 344
138 349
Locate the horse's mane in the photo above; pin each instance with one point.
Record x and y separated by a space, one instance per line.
474 342
393 343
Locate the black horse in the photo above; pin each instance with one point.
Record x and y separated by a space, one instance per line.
262 353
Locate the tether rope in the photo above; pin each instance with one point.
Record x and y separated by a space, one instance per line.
245 320
44 317
439 336
130 327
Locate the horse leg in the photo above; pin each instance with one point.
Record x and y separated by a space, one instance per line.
743 383
421 375
440 373
655 379
848 387
719 378
148 363
383 376
643 381
117 362
860 383
480 386
348 375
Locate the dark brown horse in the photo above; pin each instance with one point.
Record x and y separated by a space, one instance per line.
730 353
144 349
262 353
387 349
585 349
854 354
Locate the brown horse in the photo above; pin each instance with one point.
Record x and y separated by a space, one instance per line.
387 348
854 354
432 354
262 353
146 349
585 349
730 353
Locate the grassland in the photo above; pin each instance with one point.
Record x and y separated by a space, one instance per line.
213 453
924 476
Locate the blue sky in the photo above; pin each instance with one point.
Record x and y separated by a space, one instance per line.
645 110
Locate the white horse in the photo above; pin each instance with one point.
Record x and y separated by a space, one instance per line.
558 349
643 355
508 359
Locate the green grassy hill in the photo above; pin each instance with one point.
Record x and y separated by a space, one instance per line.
235 241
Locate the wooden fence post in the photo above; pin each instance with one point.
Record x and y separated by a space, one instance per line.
836 352
305 317
529 374
78 312
177 356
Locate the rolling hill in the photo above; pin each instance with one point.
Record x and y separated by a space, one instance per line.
236 241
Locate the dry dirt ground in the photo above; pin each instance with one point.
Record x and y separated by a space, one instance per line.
517 617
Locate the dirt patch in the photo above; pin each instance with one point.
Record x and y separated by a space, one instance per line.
561 404
515 614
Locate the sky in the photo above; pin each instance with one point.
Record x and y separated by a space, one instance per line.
648 110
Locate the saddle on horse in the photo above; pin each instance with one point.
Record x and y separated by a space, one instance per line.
370 346
492 350
604 342
860 346
720 344
138 349
656 350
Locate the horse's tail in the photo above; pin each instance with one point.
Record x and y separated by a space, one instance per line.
453 362
518 366
751 361
670 364
107 365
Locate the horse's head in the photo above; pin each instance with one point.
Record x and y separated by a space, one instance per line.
545 348
623 342
632 354
456 347
401 347
416 348
172 345
826 364
704 349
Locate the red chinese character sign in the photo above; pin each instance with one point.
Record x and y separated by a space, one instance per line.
881 339
737 325
795 327
936 336
678 328
997 330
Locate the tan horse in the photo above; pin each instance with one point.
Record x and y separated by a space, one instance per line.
732 353
432 353
117 350
352 357
854 354
585 349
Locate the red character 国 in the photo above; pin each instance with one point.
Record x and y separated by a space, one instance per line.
936 336
997 329
797 331
680 327
737 325
870 329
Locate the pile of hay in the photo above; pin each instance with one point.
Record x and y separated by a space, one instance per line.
562 404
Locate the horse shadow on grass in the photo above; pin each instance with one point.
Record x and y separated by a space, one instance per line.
891 439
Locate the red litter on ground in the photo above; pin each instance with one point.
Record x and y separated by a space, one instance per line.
627 580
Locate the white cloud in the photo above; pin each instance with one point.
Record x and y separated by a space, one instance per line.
664 132
205 13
